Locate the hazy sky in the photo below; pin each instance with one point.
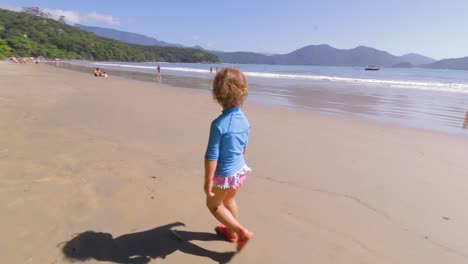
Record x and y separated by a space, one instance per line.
434 28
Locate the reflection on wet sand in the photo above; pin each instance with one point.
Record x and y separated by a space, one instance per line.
409 107
465 124
326 100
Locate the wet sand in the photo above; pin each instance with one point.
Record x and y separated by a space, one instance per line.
439 107
124 159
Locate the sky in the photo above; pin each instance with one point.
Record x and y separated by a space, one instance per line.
434 28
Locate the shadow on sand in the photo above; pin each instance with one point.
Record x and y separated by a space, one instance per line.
140 247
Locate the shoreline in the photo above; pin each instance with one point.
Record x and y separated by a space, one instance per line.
149 78
401 107
124 158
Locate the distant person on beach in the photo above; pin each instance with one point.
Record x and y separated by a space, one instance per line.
225 167
158 75
97 72
465 124
211 69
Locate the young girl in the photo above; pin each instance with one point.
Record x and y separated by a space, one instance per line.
225 168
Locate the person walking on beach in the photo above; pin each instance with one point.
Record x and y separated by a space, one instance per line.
225 167
158 75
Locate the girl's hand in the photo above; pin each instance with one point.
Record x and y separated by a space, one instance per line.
209 188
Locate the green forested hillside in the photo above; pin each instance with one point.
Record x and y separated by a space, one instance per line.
28 35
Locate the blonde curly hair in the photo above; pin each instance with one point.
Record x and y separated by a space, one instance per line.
230 87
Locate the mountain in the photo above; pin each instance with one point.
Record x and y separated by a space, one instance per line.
23 34
452 64
127 37
416 59
28 35
325 55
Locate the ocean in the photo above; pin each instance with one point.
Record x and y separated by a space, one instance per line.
429 99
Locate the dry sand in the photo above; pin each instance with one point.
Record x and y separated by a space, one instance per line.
125 158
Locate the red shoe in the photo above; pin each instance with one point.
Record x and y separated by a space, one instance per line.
242 241
223 232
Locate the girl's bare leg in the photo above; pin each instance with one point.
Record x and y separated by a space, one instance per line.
230 203
217 208
220 212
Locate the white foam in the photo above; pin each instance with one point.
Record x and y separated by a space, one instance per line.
180 69
436 86
451 87
124 65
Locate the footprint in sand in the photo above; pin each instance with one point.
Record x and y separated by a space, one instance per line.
152 189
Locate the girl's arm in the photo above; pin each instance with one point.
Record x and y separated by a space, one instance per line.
210 168
211 157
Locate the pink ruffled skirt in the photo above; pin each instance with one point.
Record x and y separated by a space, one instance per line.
235 181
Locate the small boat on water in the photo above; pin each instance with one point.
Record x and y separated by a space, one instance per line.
372 68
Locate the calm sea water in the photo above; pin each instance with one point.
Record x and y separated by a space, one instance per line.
421 98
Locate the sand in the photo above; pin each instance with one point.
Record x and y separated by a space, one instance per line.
124 159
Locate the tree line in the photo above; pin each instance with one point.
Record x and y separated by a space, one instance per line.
33 33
